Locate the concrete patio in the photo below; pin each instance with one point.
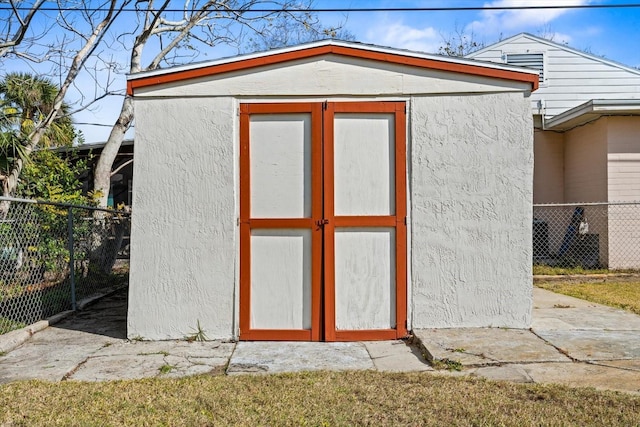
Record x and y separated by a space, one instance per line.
571 342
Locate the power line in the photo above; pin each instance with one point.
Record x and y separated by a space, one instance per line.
359 9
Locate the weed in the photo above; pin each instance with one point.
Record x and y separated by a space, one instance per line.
198 334
459 350
562 306
165 369
448 364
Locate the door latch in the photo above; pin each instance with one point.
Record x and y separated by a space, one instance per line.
321 223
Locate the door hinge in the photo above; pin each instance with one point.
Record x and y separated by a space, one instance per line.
325 105
405 220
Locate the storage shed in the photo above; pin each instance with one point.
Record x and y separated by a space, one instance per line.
330 191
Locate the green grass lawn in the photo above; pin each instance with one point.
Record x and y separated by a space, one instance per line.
324 398
619 293
564 271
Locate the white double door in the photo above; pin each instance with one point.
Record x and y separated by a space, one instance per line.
323 221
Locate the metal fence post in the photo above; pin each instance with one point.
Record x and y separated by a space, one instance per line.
72 264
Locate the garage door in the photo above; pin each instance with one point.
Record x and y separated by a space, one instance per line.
322 221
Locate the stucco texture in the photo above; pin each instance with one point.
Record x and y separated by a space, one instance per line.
471 193
183 237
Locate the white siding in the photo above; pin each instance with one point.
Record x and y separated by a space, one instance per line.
571 79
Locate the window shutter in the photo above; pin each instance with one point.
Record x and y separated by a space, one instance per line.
534 61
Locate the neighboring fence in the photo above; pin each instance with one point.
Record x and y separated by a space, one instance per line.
52 255
591 235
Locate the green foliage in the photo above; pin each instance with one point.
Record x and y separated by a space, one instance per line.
26 101
54 176
7 325
165 369
448 364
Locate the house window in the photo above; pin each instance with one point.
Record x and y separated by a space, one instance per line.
534 61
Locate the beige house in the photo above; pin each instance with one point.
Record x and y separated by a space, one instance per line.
331 191
587 135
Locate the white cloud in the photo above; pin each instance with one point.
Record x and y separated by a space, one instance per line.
509 21
402 36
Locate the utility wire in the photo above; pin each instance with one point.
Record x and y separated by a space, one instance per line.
360 9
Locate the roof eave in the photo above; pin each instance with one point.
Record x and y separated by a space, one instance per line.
592 110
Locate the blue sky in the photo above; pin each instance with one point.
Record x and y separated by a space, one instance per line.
612 33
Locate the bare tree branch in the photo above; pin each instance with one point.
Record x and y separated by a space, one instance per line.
9 185
11 38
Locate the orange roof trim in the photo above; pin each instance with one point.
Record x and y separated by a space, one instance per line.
277 58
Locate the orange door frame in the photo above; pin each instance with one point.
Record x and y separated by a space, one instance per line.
247 223
397 221
323 222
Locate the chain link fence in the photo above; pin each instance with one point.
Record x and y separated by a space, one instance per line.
52 255
588 235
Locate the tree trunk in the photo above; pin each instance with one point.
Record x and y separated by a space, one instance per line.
102 173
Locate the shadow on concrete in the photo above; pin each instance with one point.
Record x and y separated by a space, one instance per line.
107 317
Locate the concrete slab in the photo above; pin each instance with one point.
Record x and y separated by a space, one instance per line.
631 365
512 373
272 357
396 356
596 318
589 345
140 359
547 299
50 355
487 346
124 367
585 375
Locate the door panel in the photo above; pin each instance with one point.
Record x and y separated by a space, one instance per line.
322 221
281 279
280 147
365 278
364 164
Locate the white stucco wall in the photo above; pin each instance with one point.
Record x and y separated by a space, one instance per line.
333 76
471 175
183 237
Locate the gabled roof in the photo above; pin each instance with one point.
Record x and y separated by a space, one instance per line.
553 44
334 47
